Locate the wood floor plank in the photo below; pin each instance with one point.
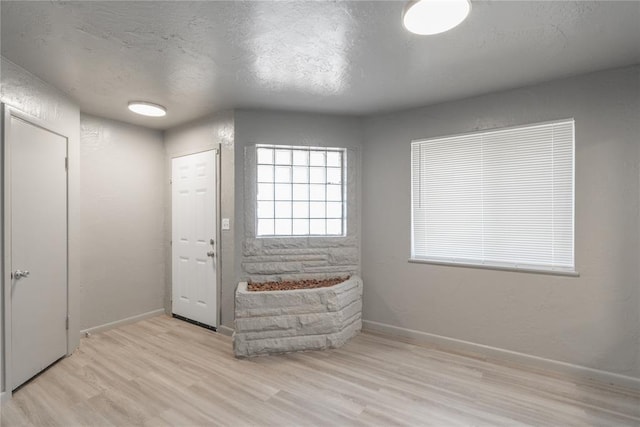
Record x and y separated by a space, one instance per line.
166 372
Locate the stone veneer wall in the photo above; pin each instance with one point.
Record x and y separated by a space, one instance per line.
295 258
271 322
266 259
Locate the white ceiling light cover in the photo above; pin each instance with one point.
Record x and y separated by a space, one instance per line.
147 109
428 17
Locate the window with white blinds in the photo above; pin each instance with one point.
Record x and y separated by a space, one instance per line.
500 198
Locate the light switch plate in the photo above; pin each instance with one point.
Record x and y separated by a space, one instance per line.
225 224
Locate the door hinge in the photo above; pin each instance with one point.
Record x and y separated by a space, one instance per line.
66 163
66 323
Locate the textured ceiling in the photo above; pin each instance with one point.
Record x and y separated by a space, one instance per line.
336 57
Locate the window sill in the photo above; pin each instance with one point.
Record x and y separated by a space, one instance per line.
305 236
495 267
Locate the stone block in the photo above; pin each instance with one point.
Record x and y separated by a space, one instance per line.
295 251
271 267
332 270
352 284
258 335
344 299
278 299
349 331
286 243
277 311
353 309
319 323
333 242
269 323
312 258
343 256
251 247
247 348
306 264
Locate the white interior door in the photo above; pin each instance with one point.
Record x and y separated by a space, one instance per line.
38 206
194 239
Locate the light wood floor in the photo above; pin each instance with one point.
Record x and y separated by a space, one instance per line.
165 372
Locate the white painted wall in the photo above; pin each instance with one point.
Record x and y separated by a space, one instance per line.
592 320
27 93
122 230
289 128
206 134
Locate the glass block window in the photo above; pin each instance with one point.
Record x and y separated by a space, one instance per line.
300 191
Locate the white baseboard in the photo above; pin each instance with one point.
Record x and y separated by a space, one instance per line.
578 372
122 322
4 397
225 330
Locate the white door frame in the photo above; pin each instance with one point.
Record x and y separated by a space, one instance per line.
8 112
216 152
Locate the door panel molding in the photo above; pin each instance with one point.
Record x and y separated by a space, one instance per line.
8 113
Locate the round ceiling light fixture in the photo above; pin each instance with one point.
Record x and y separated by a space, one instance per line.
147 109
427 17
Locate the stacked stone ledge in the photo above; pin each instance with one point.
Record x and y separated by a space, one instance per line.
271 322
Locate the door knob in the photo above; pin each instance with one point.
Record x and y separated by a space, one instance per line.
211 254
19 274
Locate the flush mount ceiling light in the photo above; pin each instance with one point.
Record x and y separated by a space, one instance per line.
147 109
427 17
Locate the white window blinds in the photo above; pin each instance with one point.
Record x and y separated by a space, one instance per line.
502 198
